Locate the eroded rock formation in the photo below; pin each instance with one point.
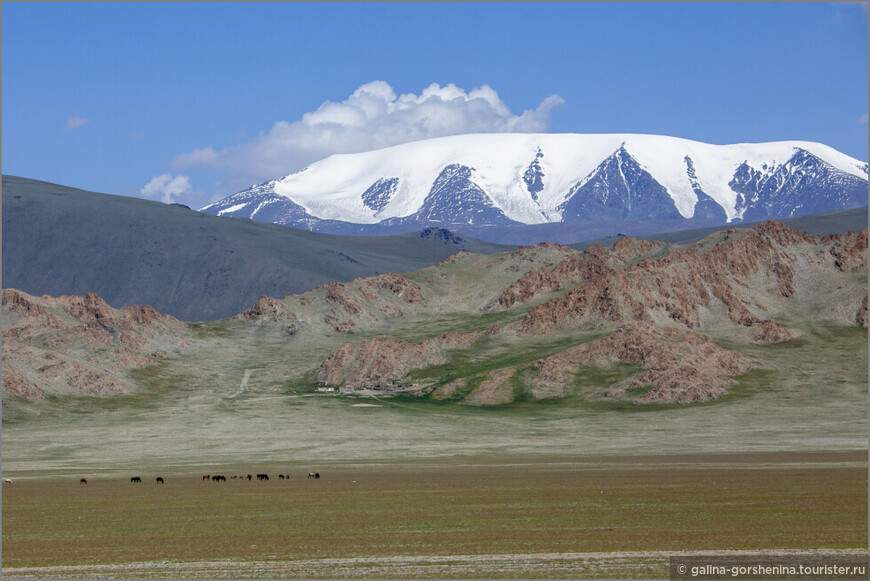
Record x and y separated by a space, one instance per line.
381 360
680 366
80 345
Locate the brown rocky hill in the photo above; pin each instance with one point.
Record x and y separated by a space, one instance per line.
658 302
80 345
642 322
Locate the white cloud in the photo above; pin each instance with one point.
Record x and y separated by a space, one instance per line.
76 122
372 117
863 119
167 187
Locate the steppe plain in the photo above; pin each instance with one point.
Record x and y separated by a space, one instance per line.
588 482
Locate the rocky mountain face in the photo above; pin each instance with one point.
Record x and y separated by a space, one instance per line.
642 322
618 189
472 181
781 191
80 345
453 200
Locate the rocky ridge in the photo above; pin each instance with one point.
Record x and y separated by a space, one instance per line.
656 301
380 361
529 324
81 345
680 366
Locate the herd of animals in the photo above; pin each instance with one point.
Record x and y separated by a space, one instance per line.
212 477
222 478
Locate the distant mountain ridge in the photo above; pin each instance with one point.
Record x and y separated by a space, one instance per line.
503 180
64 241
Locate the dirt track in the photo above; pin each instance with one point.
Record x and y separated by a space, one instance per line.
547 565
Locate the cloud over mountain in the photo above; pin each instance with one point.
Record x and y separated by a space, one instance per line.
167 187
374 116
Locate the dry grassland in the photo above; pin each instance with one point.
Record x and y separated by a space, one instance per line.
482 517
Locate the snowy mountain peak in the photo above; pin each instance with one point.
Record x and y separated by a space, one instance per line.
499 179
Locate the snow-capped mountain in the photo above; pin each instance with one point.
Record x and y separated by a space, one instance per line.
514 179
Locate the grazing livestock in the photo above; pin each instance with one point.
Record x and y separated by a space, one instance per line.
7 481
206 476
83 481
262 477
136 479
159 480
314 475
248 476
281 476
219 478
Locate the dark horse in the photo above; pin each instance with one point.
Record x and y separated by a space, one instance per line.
83 481
218 478
136 479
159 480
262 477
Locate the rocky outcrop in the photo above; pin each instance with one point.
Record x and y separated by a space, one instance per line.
380 361
358 305
454 258
530 252
527 286
18 304
583 267
850 252
365 301
769 331
716 272
680 366
270 311
80 345
757 250
89 308
265 309
577 268
627 249
781 234
337 293
347 310
144 315
593 303
15 384
396 284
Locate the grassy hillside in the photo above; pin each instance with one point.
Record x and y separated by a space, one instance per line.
59 240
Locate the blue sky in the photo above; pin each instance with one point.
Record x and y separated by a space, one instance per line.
191 102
